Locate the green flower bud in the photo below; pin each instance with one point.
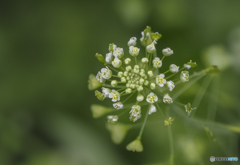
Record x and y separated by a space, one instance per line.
192 64
156 36
98 110
112 47
99 95
100 58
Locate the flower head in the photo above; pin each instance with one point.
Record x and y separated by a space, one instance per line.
114 95
160 80
105 92
118 105
125 76
157 63
116 63
151 48
170 85
152 109
167 52
109 57
132 41
184 76
118 53
152 98
99 77
135 113
133 51
167 99
173 68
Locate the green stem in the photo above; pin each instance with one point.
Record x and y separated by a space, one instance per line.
163 58
158 107
110 86
128 97
174 73
166 72
212 108
143 125
112 68
171 145
177 94
200 94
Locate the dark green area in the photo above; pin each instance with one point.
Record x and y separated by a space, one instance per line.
47 51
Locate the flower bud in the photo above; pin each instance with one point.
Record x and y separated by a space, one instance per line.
167 52
100 57
99 95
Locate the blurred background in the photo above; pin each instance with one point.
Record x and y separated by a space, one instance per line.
47 52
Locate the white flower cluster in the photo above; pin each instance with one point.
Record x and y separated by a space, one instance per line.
129 77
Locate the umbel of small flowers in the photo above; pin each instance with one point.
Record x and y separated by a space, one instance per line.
137 73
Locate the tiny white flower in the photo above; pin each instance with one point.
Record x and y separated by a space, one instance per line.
127 61
120 74
152 86
170 85
99 77
105 92
136 69
109 57
112 119
114 83
173 68
128 68
167 99
134 51
118 53
123 79
184 76
186 66
152 98
132 41
116 63
141 81
150 73
135 113
151 48
146 82
157 63
114 95
160 80
152 109
140 98
140 88
118 105
128 90
144 60
167 52
106 73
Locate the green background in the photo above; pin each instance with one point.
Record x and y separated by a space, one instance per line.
47 52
